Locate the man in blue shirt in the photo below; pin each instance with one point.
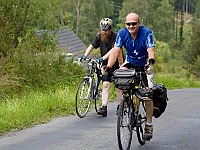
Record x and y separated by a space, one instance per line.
138 41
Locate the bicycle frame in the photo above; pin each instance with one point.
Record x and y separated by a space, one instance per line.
132 112
93 68
88 89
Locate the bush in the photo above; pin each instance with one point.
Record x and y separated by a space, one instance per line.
27 70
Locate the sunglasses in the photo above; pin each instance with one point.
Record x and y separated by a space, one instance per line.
105 29
132 23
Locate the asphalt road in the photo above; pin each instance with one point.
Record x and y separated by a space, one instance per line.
177 129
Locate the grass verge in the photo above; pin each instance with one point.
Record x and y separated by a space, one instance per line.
37 107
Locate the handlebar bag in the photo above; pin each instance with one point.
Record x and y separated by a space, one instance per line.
123 79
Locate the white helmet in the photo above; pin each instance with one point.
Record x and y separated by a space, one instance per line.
105 23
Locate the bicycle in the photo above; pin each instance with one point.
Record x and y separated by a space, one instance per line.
132 111
89 89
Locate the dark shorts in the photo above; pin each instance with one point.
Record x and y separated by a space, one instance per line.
104 77
137 69
107 77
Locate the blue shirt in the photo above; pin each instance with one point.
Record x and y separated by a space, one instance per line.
136 50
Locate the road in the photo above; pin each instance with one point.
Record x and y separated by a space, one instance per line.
177 129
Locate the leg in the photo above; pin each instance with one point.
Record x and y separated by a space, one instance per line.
148 81
119 95
119 98
105 93
149 111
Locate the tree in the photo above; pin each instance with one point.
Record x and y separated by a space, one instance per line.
140 7
162 23
155 14
19 20
86 15
192 52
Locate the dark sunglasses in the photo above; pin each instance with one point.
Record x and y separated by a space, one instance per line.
105 29
132 23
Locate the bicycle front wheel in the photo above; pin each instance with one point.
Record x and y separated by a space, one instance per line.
83 98
124 128
98 97
141 121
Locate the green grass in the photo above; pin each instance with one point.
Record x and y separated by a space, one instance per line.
37 107
176 83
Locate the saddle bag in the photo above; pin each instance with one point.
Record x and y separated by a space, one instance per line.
159 99
123 79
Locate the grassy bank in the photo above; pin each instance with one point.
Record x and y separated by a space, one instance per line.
37 107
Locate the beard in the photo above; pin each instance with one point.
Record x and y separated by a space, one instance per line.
105 38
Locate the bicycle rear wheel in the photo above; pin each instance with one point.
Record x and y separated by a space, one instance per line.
141 121
83 98
124 129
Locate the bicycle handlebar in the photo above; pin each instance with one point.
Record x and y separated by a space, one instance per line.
90 61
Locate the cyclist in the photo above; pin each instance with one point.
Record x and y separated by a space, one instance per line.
138 41
105 41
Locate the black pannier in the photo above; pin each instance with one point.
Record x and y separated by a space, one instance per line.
124 79
159 99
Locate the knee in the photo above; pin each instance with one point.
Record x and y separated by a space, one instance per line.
106 85
149 103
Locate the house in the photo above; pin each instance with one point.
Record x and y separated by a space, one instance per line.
67 40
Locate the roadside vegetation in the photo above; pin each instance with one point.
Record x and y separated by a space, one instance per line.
38 84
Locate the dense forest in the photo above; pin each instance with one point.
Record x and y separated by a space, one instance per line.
175 24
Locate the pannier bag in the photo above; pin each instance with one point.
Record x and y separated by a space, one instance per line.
123 79
159 99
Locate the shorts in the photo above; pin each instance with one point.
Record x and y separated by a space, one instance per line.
107 77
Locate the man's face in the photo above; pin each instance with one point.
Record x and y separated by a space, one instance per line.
132 25
105 35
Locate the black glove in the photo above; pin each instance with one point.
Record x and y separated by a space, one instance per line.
99 60
151 61
83 58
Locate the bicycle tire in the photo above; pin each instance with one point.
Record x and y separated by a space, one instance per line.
98 97
83 98
124 125
141 121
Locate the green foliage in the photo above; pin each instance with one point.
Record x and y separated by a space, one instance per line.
158 16
163 50
36 107
197 9
20 18
140 7
86 15
172 82
163 21
192 50
28 69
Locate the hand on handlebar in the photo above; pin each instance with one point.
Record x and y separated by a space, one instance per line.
99 60
149 69
83 58
105 70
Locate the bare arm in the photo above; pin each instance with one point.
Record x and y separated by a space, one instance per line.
106 56
113 56
88 50
151 52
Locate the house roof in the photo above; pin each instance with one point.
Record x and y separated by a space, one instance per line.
67 39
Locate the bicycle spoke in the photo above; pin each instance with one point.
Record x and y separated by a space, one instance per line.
83 99
141 121
124 129
98 97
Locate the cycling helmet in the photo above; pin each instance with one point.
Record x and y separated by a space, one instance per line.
105 24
